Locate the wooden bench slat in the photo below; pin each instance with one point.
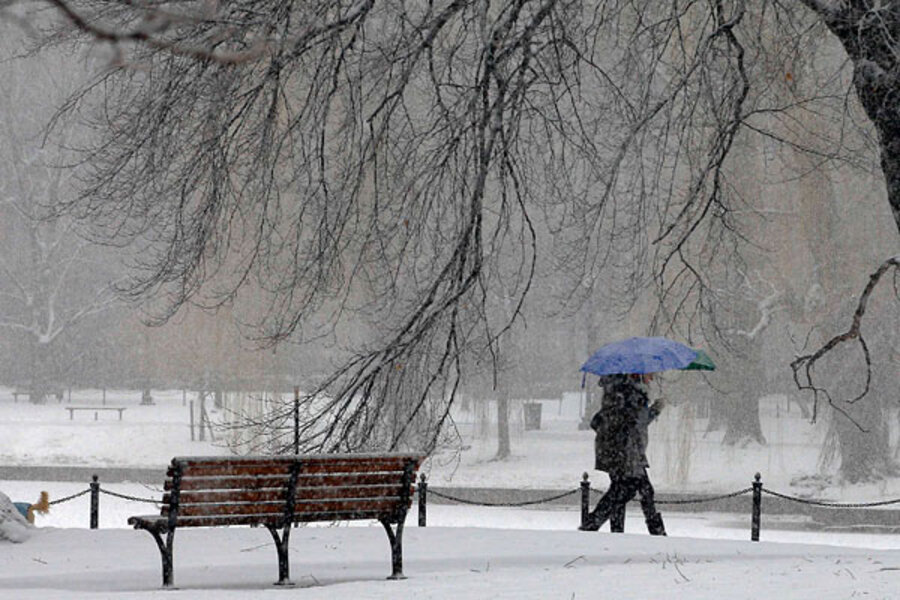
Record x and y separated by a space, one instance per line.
373 465
266 495
203 461
358 462
346 492
306 481
226 469
290 458
380 505
275 520
274 494
225 483
331 480
281 468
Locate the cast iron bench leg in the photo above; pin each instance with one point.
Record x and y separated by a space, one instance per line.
396 539
165 551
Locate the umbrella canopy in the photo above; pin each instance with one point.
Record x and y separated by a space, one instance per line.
702 363
640 355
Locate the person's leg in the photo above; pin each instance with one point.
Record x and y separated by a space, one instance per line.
617 519
604 507
621 490
653 519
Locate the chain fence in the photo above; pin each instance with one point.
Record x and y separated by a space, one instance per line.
830 504
746 490
693 500
561 495
585 490
95 490
72 497
757 490
699 500
504 504
132 498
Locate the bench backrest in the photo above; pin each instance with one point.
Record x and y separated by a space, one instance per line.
205 491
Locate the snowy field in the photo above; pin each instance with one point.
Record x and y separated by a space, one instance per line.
465 552
449 562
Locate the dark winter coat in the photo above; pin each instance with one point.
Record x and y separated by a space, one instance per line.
621 426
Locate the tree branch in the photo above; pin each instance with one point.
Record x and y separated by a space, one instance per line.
803 365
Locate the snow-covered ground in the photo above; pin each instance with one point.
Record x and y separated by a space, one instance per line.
465 552
467 562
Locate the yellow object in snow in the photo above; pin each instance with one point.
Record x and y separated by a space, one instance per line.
42 506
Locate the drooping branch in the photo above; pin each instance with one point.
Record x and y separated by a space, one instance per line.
803 365
375 160
153 26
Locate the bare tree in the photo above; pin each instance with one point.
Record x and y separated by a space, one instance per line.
51 281
867 32
371 160
752 301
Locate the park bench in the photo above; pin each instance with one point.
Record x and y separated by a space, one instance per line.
57 393
72 410
279 491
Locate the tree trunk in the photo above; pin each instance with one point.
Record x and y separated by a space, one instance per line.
865 453
743 426
717 417
503 447
37 394
872 48
739 417
736 409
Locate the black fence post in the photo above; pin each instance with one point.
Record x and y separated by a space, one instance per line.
423 495
95 502
585 499
757 508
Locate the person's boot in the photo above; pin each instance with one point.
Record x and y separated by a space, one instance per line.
596 518
592 523
655 525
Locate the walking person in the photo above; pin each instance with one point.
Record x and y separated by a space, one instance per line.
620 446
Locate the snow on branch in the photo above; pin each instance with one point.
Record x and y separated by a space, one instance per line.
766 307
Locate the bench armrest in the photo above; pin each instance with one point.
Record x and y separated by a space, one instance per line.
149 522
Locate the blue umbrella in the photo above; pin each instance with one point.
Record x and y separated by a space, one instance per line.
639 355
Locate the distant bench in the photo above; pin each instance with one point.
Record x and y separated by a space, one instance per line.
72 410
278 491
58 394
